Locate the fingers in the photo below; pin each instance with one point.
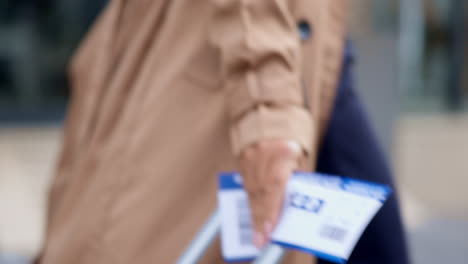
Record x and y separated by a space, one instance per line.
266 169
267 203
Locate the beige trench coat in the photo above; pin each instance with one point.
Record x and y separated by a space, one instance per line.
166 94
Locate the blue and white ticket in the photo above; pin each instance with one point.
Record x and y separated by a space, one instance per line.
323 215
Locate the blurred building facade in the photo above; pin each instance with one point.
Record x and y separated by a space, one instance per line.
37 37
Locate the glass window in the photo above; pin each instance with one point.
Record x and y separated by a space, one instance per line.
37 37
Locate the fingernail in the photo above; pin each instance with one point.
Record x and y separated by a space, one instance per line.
259 240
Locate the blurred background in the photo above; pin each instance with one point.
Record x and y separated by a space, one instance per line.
412 70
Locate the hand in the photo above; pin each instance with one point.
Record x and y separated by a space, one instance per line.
266 168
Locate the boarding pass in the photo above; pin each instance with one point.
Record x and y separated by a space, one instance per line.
323 215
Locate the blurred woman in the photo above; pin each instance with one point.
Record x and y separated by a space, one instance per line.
166 94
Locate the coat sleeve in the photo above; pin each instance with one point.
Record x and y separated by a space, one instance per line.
260 57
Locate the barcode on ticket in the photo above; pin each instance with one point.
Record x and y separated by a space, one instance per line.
244 222
334 233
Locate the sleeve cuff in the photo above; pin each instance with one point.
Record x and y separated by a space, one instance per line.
288 122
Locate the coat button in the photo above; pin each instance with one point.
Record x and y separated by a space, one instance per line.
305 30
